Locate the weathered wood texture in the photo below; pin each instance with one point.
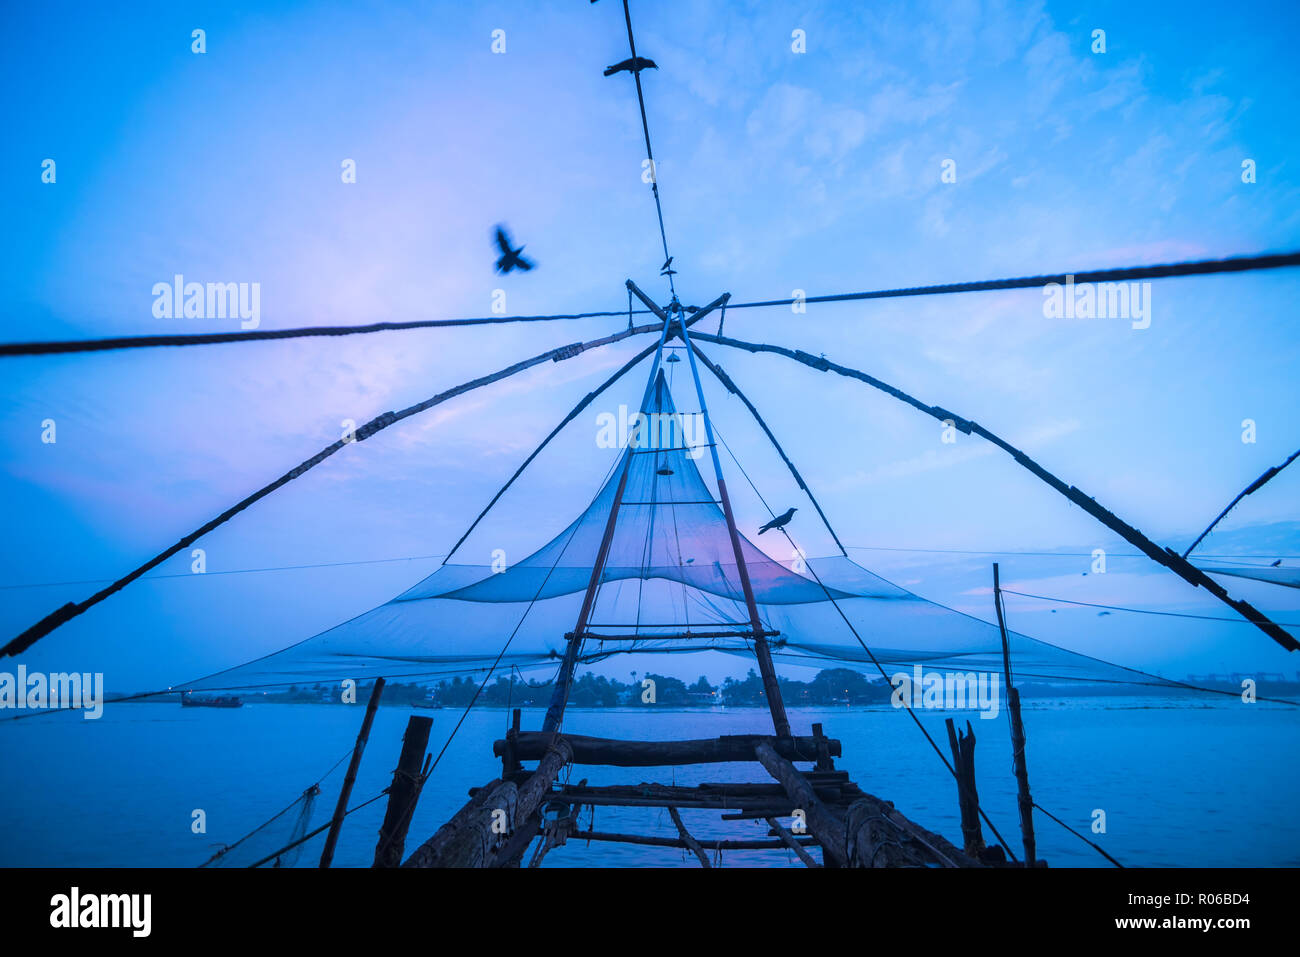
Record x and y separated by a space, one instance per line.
963 763
871 832
790 842
530 745
341 809
403 793
676 842
475 836
689 841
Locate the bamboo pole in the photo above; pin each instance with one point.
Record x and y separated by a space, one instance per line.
1023 799
341 809
403 793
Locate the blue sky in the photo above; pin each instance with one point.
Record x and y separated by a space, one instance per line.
778 171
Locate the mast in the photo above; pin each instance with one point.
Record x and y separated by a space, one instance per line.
771 688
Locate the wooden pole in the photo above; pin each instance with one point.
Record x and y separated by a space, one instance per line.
532 745
789 841
689 841
963 763
771 687
676 842
473 837
560 696
341 809
404 793
873 832
825 826
1023 800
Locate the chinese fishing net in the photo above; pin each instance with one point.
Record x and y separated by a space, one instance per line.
669 585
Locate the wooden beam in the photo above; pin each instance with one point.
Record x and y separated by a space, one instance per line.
789 841
762 651
341 809
531 745
677 842
963 764
1024 802
872 832
689 841
403 793
923 847
475 837
825 826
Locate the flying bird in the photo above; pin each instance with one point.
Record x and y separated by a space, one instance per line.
781 521
632 65
510 258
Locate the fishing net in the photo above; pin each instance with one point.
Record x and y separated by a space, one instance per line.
285 828
670 584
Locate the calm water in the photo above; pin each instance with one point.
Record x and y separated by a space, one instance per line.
1181 784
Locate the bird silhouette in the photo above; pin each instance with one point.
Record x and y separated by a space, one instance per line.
510 258
781 521
1276 563
632 65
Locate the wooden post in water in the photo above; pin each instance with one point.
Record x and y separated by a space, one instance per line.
403 793
341 808
963 763
1025 802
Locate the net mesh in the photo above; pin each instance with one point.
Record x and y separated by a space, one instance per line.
670 584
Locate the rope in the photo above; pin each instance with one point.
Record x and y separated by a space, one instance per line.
951 770
72 609
1140 611
324 827
1157 271
1166 557
261 335
232 571
506 646
1094 846
1202 267
1254 486
645 128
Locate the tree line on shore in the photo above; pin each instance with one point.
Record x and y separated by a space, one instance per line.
831 686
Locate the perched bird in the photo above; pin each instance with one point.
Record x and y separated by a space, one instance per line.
1276 563
781 521
632 65
667 268
510 258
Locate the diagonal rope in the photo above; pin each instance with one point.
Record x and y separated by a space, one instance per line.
73 609
907 705
645 128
